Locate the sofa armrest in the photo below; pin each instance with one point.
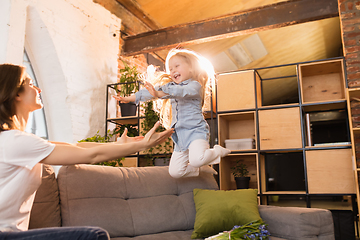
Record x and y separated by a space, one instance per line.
298 223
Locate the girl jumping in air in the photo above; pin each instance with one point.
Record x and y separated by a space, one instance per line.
182 90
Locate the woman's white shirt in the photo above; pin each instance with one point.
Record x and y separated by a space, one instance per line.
20 176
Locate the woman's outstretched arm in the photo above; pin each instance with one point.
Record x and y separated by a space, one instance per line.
64 154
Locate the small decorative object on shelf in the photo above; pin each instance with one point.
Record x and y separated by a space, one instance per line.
253 230
239 144
241 173
129 78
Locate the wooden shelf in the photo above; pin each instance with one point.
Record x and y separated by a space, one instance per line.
227 180
354 93
124 120
352 96
325 106
322 81
328 146
279 106
239 125
284 192
243 151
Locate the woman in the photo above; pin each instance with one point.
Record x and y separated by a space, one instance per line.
22 155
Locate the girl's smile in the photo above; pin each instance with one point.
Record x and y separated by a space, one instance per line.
179 68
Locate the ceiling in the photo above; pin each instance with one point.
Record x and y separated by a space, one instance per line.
302 42
296 43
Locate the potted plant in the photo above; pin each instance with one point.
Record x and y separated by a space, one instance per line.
241 173
128 84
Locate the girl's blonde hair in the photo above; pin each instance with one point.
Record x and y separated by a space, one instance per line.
202 71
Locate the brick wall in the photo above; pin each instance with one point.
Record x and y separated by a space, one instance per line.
350 29
140 61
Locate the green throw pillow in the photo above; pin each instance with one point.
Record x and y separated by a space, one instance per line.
218 210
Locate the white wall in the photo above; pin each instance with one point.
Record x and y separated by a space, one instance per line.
74 52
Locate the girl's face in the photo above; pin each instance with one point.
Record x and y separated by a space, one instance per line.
29 97
180 70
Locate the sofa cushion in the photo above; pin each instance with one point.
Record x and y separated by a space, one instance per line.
46 208
128 202
218 211
298 223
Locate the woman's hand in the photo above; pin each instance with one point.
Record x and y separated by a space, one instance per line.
153 138
125 139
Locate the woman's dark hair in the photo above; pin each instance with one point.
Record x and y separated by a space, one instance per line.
11 83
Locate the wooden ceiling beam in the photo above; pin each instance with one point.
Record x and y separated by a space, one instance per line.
263 18
133 19
137 11
130 24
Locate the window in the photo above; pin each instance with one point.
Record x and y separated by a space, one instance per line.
36 123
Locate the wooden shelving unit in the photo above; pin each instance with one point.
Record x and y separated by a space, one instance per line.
239 125
304 144
353 94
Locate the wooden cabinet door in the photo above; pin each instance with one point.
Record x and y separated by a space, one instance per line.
330 171
280 128
236 91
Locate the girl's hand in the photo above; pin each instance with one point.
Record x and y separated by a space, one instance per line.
151 89
125 139
153 138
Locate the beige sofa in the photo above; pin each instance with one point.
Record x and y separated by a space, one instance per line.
146 203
